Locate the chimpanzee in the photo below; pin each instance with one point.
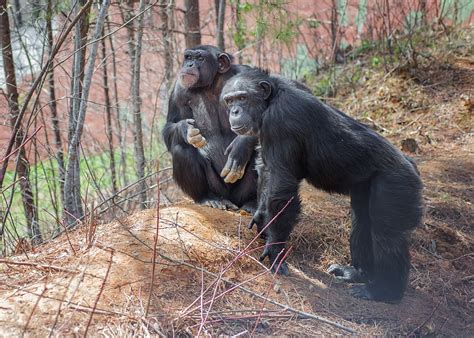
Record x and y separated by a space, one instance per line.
303 138
210 163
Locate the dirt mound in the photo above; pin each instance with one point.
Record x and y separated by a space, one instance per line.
101 283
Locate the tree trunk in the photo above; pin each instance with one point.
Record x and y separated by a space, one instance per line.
108 127
72 189
12 97
239 29
18 16
191 23
136 109
52 103
220 25
167 47
120 134
73 207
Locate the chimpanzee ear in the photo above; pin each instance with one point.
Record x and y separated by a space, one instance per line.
224 62
266 88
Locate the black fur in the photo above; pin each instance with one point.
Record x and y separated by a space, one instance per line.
194 104
303 138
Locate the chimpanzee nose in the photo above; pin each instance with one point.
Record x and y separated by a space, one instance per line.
234 110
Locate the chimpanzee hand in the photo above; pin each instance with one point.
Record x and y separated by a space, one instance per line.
240 151
191 134
258 219
275 253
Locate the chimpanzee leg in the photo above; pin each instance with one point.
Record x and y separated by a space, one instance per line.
189 172
395 209
196 177
280 191
360 241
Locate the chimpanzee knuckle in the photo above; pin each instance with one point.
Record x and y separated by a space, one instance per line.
225 171
193 132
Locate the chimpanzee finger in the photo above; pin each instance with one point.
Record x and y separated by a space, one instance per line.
227 167
265 254
193 132
251 224
191 121
229 147
232 177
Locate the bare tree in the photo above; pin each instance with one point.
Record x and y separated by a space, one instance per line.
52 102
72 197
167 45
136 108
121 138
192 23
72 190
220 24
22 165
108 114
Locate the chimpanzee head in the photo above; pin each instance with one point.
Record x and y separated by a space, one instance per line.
246 96
201 64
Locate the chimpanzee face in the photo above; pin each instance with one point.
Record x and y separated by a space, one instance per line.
246 101
201 65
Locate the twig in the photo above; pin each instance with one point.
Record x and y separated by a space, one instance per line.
301 314
268 290
412 333
101 289
35 306
155 244
21 145
243 252
40 266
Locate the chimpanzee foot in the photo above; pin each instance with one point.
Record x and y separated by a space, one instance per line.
222 204
362 291
249 207
347 273
275 254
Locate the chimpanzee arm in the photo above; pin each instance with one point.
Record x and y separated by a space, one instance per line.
280 188
189 167
239 153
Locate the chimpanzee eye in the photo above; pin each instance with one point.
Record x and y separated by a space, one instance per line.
201 58
242 98
187 57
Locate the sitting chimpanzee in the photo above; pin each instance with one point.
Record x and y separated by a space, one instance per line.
303 138
210 163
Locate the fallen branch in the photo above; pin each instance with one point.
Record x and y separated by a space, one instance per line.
37 265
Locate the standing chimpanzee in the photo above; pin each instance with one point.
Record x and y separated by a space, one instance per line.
210 163
302 138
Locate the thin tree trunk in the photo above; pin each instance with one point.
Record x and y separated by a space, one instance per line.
136 109
108 127
239 30
220 25
120 134
192 23
52 103
167 47
72 193
73 207
12 97
18 16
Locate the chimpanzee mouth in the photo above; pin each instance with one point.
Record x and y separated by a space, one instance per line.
241 130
